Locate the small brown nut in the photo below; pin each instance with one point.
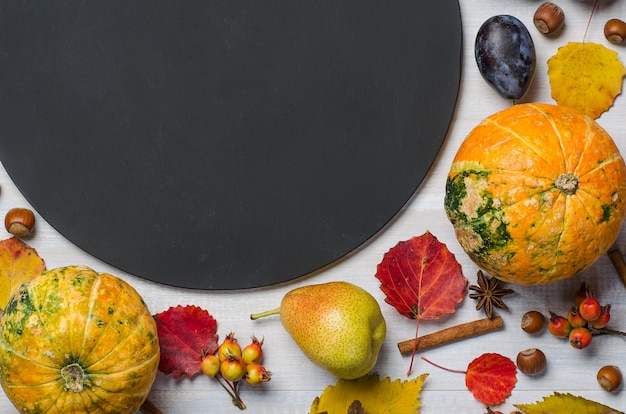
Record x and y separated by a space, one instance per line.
19 221
609 377
531 361
533 322
615 31
549 18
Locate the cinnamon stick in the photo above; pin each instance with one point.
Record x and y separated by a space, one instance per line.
455 333
618 262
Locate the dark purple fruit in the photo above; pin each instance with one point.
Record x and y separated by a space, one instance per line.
505 54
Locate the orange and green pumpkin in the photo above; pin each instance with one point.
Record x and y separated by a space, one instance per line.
76 341
536 193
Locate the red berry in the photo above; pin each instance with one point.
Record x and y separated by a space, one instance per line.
210 365
590 308
253 353
575 319
558 326
233 368
580 338
256 374
603 319
229 347
581 294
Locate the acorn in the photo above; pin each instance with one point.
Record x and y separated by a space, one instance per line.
19 221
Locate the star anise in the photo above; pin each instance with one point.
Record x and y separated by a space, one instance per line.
489 294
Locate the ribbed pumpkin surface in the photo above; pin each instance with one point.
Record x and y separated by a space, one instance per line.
76 341
536 193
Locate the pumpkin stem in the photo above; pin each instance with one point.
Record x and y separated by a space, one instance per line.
74 376
568 183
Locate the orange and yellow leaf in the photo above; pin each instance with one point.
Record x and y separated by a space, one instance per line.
491 377
18 264
374 395
585 76
559 403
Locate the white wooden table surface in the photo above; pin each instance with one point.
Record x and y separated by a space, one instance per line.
296 382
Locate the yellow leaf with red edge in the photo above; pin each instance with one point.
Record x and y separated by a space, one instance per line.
18 263
371 395
586 77
560 403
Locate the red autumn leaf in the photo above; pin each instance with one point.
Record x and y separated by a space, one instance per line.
421 278
491 378
186 334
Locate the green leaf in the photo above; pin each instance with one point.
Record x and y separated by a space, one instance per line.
559 403
371 396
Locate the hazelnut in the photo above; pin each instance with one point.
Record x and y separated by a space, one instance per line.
609 377
531 361
615 31
533 322
19 221
548 18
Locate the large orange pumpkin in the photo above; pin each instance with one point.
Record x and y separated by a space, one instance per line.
536 193
76 341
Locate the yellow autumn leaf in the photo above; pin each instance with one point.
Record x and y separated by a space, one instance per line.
585 76
374 395
559 403
18 264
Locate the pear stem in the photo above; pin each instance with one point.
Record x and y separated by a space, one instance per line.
266 313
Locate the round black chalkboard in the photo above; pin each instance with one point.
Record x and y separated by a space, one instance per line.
224 144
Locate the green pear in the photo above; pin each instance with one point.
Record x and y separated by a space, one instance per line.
338 326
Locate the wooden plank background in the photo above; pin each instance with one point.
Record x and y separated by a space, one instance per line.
296 382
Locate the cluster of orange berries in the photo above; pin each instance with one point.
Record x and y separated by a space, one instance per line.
233 363
585 316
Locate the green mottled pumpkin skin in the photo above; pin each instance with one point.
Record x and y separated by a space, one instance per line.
536 193
76 341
